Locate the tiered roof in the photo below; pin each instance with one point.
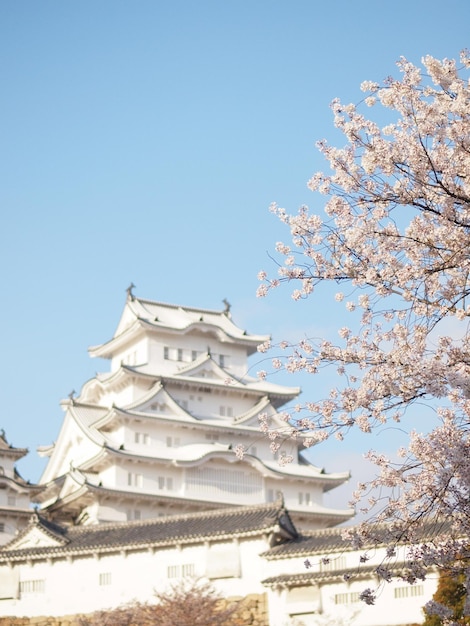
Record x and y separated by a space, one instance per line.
99 411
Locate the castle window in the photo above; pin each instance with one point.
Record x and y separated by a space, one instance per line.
179 571
410 591
187 569
166 353
133 514
135 480
141 438
2 527
194 355
32 586
172 442
165 482
180 354
346 598
104 579
333 564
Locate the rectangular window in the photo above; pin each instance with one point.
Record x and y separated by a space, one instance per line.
135 480
180 354
346 598
178 571
2 527
335 563
187 569
32 586
104 579
165 482
221 360
133 514
194 355
166 353
141 438
410 591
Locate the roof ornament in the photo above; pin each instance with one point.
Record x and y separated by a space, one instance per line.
71 395
228 306
129 291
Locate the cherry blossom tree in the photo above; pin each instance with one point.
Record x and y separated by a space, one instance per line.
393 238
188 602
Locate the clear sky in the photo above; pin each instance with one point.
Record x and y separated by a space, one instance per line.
143 141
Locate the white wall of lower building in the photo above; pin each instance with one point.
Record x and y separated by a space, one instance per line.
82 585
85 584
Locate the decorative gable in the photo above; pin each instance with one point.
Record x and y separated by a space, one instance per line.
39 534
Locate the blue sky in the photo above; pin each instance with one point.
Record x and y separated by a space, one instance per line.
144 141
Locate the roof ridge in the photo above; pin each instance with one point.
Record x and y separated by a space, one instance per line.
165 519
178 306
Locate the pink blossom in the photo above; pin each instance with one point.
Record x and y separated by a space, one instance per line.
395 235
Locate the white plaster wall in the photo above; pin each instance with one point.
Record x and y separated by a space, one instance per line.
74 586
131 354
235 357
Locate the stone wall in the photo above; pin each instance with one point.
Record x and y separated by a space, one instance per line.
252 611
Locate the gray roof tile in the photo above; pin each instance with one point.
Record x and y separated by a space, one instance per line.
272 519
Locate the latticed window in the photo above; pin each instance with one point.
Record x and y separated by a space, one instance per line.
338 563
347 598
135 480
104 579
223 481
410 591
32 586
181 571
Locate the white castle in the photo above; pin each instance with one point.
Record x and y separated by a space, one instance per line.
156 435
143 488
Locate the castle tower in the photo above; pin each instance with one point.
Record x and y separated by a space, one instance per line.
156 434
15 492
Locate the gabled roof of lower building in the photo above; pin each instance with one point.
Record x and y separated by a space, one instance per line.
271 520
